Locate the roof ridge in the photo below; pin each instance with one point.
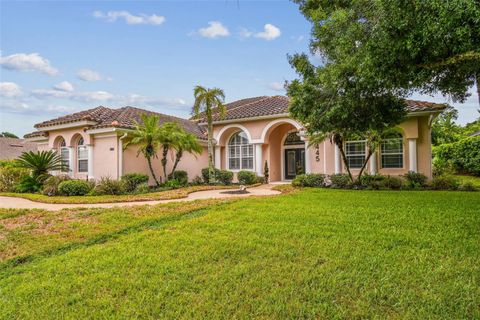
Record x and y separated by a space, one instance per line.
262 98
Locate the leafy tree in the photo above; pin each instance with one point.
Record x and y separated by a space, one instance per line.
187 142
207 102
8 135
40 163
147 136
430 45
444 128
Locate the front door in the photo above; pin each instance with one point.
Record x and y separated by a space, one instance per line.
294 162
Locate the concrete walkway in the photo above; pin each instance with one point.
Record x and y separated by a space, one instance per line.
20 203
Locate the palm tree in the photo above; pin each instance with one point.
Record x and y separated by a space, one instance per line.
208 101
170 135
147 135
187 143
40 163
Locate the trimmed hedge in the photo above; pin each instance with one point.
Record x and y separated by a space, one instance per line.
205 175
246 177
132 180
181 176
225 177
74 187
309 180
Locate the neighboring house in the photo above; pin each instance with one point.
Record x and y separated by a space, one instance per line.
253 131
12 148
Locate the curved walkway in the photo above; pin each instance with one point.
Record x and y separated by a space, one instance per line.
20 203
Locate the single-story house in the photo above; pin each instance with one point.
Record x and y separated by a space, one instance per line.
253 131
12 148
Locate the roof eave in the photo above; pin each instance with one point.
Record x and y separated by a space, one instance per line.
270 116
72 124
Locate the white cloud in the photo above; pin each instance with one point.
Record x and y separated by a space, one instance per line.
10 90
270 32
112 16
215 29
28 62
276 86
64 86
87 96
15 106
88 75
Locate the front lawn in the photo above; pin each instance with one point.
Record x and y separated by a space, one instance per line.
315 253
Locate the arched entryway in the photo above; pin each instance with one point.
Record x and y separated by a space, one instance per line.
293 152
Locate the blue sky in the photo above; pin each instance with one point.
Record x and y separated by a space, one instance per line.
60 57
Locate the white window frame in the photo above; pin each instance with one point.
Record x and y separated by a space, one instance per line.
65 160
357 154
82 147
402 153
239 153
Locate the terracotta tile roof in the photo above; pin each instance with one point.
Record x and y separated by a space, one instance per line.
12 148
36 134
265 106
121 118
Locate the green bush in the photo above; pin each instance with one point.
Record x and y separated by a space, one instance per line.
445 182
374 182
392 182
468 186
197 181
415 180
340 180
10 176
50 186
205 175
142 188
181 176
172 184
132 180
309 180
110 186
463 155
225 177
28 184
74 187
246 177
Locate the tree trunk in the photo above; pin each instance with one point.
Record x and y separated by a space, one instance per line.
345 162
477 80
370 152
211 169
164 161
178 156
149 160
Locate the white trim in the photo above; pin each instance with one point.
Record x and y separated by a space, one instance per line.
307 158
109 129
218 157
236 125
396 153
270 116
422 113
373 163
412 155
227 151
283 147
90 161
71 161
68 125
294 123
120 155
37 139
258 159
338 160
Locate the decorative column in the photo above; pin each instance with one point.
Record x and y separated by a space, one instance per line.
90 161
71 161
373 163
218 157
307 158
338 160
258 159
412 154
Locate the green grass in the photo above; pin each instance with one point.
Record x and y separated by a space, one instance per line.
160 195
316 253
472 179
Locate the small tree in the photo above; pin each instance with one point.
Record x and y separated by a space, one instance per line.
8 135
146 136
170 136
187 142
208 101
266 172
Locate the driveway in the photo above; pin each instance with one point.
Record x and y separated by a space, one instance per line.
20 203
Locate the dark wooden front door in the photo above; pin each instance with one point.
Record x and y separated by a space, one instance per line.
294 162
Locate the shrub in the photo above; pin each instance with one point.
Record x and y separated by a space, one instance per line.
468 186
197 181
340 180
28 184
445 182
74 187
415 180
246 177
50 186
299 181
10 176
107 185
142 188
181 176
374 182
266 173
173 184
463 155
391 182
132 180
225 177
309 180
205 174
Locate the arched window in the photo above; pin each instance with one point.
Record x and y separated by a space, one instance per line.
240 152
64 154
391 151
82 156
292 139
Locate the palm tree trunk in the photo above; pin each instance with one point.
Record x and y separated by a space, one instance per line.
211 170
178 156
149 160
164 161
